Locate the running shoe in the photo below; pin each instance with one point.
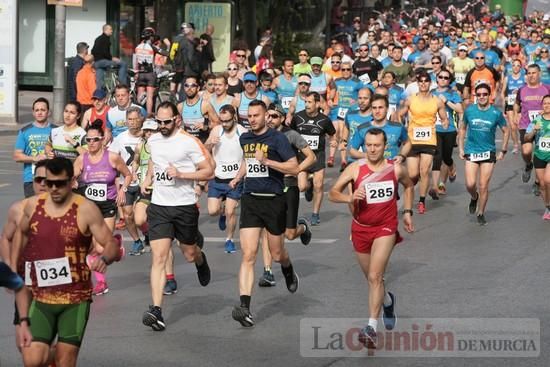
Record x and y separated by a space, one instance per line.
100 288
536 189
367 337
330 162
230 247
121 224
526 175
421 208
472 207
171 287
306 236
546 215
243 316
315 219
137 248
343 166
121 249
441 189
292 281
203 271
309 191
452 174
516 149
481 220
222 222
389 317
433 194
153 318
267 279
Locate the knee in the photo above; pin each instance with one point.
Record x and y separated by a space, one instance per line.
213 211
318 186
158 260
229 212
34 359
128 213
375 278
249 257
290 233
483 187
191 253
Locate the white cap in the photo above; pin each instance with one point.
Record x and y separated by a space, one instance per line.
150 124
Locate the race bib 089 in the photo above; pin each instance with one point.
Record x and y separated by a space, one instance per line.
379 192
96 192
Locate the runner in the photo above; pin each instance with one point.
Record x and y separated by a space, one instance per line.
367 68
539 129
116 116
356 118
96 171
295 227
314 127
374 230
177 160
267 157
396 94
228 155
513 80
250 93
423 109
319 80
481 73
61 285
285 84
461 65
99 109
220 96
476 141
67 140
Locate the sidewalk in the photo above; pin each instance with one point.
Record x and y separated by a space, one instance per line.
26 99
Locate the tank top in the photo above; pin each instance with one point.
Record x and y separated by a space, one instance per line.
512 86
285 90
422 118
319 84
213 101
101 116
144 156
98 178
235 89
300 104
243 107
228 154
380 205
192 116
55 256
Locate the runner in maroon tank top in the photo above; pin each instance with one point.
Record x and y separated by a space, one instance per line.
374 227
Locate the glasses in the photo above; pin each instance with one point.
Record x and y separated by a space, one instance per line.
57 183
231 69
226 121
165 122
482 94
336 62
193 85
302 54
303 83
209 84
39 180
479 57
274 115
346 69
241 55
363 50
461 50
435 63
249 81
544 52
93 139
424 81
444 77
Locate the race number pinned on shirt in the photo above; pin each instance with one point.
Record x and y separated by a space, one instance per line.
379 192
53 272
228 169
342 112
460 78
365 78
254 169
33 168
511 99
162 179
477 157
544 144
422 133
285 102
312 141
534 114
96 192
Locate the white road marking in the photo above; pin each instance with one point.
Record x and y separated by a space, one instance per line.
323 240
4 185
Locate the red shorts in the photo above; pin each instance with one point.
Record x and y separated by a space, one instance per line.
363 236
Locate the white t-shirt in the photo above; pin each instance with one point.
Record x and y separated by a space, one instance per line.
182 151
125 145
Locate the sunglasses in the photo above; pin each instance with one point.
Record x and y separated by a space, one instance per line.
461 50
165 122
302 54
424 81
482 94
231 69
93 139
303 83
249 81
544 52
346 69
57 183
435 63
274 115
363 50
241 55
479 58
193 85
39 180
444 77
336 62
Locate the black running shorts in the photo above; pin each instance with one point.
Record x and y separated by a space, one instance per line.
267 212
179 222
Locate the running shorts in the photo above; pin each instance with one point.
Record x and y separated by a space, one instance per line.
363 236
180 222
267 212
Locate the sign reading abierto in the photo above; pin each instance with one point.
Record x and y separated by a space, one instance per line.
66 2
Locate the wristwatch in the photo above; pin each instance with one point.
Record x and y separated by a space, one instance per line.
405 211
124 189
26 319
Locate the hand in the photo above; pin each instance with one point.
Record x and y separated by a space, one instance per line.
69 139
399 159
23 336
233 183
39 157
134 177
99 265
145 188
121 197
115 59
260 156
342 146
537 127
198 126
442 98
172 171
333 143
500 156
461 154
50 154
359 194
408 223
198 190
215 140
288 120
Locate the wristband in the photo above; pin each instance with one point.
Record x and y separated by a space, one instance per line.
26 319
402 156
405 211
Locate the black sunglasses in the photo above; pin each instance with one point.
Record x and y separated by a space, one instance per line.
57 183
482 94
192 85
274 115
93 139
479 58
39 180
303 83
444 77
346 69
165 122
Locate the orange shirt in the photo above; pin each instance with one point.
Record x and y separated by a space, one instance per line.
85 84
422 118
486 75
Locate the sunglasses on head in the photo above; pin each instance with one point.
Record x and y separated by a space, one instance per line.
39 180
57 183
165 122
482 94
93 139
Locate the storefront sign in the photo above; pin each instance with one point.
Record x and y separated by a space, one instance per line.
66 2
8 66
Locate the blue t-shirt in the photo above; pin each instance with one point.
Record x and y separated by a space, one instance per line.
31 140
491 57
413 56
259 178
116 119
353 121
271 94
530 49
453 97
481 128
544 72
385 62
396 134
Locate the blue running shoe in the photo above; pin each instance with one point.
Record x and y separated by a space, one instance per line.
153 318
315 219
137 248
171 287
389 317
230 247
221 222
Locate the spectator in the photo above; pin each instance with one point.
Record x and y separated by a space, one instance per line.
266 59
86 83
104 60
206 57
184 55
76 64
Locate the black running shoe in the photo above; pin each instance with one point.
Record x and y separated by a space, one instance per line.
481 220
433 194
309 192
389 317
473 205
153 318
243 316
203 271
291 281
306 236
526 174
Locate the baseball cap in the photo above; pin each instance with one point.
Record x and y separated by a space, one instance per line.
99 94
150 124
250 77
278 108
463 48
316 60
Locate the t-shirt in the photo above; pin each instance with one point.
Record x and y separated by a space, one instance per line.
32 140
402 73
481 128
259 178
353 120
61 148
396 135
116 119
313 129
530 101
453 97
491 57
367 71
542 139
125 145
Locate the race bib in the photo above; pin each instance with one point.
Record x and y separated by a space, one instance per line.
460 78
162 179
534 114
229 169
511 99
477 157
365 78
544 144
96 192
379 192
312 141
53 272
391 109
255 169
285 102
422 133
342 112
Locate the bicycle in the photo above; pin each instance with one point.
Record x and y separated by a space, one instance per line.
111 81
162 92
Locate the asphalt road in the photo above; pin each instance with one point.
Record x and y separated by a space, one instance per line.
449 268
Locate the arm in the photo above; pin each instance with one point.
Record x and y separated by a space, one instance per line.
403 110
135 161
212 116
442 112
461 137
86 118
289 167
336 193
204 172
408 196
309 160
120 166
240 174
8 231
20 236
506 136
291 110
